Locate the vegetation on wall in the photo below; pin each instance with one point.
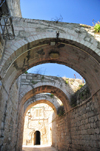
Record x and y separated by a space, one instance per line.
73 102
74 84
60 110
51 95
97 27
66 81
42 77
34 82
25 72
80 96
81 85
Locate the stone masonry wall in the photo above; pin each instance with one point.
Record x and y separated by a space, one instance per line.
79 129
2 45
80 96
9 122
31 81
3 106
53 101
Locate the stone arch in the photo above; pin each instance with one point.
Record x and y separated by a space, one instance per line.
38 102
28 93
80 40
42 98
46 89
74 34
77 47
68 55
47 100
29 82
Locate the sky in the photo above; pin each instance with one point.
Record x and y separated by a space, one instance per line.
72 11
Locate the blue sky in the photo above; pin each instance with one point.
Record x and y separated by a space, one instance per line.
72 11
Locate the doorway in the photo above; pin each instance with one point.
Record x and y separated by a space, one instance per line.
37 138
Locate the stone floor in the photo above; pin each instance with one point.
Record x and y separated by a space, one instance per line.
38 148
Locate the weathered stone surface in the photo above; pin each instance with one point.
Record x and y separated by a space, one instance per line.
36 80
14 8
2 45
47 98
79 129
77 47
38 118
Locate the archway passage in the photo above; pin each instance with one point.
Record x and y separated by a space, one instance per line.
38 119
74 48
37 138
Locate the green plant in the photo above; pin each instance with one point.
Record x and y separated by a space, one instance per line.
73 102
34 82
60 110
42 77
25 72
51 95
66 81
80 85
83 25
81 97
97 27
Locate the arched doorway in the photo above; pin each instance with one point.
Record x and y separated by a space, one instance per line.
37 138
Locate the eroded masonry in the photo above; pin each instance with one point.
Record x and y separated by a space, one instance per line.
25 43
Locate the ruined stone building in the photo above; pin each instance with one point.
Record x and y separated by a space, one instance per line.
38 125
25 43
